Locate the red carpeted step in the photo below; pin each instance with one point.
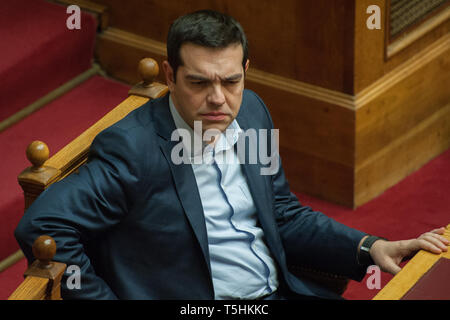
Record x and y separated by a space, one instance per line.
39 53
11 278
417 204
56 124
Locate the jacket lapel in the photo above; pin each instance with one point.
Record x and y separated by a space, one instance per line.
183 175
262 197
189 196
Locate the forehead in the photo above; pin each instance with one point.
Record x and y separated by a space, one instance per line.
205 60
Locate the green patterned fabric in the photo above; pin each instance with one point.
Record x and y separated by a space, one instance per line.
404 13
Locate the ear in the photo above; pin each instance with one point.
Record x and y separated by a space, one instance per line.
168 72
246 65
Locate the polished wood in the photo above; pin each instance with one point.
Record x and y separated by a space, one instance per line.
317 150
370 56
37 153
400 116
11 260
329 46
43 276
119 52
411 273
324 43
36 178
44 249
148 70
32 288
402 156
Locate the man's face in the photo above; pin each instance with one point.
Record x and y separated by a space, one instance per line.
209 85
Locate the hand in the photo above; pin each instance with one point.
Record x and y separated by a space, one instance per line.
388 254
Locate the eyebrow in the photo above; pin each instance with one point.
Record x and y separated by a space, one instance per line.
196 77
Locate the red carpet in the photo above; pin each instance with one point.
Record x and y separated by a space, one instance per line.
38 52
11 278
416 205
56 124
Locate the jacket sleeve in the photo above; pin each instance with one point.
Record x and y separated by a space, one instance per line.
311 238
82 206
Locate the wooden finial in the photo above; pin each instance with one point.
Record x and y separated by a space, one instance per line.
148 70
44 249
37 153
38 177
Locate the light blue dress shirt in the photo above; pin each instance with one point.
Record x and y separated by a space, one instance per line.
241 264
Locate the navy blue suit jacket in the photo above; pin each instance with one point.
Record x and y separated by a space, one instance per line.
132 220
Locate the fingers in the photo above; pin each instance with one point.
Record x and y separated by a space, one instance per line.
391 267
436 240
431 244
440 230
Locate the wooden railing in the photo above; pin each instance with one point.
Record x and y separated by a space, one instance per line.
45 171
43 277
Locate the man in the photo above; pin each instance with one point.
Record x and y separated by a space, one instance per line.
141 224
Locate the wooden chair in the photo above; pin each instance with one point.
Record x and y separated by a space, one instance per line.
43 277
45 171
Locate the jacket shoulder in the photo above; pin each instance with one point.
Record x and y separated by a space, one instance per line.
254 108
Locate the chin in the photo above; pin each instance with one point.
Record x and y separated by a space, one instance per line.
220 127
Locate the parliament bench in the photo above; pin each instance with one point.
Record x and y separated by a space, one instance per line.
42 278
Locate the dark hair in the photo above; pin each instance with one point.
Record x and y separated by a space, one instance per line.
206 28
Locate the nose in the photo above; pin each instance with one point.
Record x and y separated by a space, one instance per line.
215 95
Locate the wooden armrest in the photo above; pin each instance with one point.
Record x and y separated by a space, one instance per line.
43 277
32 288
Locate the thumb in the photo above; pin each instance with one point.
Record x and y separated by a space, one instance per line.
390 266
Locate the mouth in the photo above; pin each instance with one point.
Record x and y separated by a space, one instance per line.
214 116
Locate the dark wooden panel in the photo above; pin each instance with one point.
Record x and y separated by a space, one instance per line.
318 177
310 126
317 136
120 59
310 41
316 143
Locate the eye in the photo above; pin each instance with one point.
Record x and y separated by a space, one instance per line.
198 83
231 82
